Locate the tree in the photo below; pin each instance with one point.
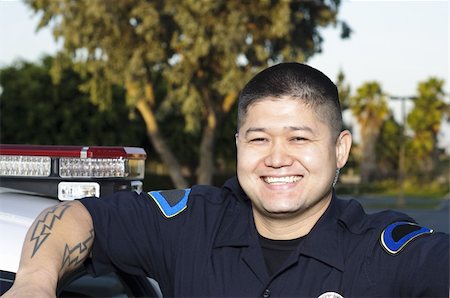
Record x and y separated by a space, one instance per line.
425 122
344 90
370 109
35 111
204 50
387 148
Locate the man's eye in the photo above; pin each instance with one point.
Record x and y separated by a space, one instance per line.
298 139
258 140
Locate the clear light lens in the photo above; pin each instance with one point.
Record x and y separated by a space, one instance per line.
93 167
25 166
137 186
68 191
136 168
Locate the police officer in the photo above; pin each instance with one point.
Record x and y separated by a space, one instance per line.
277 229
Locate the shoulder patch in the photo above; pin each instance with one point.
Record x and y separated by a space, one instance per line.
398 234
171 202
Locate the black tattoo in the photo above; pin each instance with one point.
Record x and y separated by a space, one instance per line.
44 226
74 256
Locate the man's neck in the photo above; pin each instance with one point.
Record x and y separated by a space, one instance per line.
291 226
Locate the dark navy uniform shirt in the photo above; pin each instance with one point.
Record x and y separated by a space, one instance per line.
203 242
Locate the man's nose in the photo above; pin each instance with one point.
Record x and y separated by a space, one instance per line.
278 156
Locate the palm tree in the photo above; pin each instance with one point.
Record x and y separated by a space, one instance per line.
369 107
425 120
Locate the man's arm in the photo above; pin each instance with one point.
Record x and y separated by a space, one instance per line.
59 240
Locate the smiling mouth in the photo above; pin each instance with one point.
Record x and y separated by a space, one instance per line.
281 180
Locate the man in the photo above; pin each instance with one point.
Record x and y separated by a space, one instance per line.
276 230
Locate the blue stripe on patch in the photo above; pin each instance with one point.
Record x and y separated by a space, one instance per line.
392 246
166 209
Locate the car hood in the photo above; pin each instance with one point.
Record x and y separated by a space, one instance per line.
17 213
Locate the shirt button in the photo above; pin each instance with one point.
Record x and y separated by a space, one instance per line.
266 293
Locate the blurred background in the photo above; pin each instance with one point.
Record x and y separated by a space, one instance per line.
165 76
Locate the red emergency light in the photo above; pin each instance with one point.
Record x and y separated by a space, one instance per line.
73 151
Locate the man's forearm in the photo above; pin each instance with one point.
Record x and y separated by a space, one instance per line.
59 240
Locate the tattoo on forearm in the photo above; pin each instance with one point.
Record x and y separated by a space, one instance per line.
74 256
43 227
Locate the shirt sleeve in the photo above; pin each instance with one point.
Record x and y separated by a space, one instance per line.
429 266
131 235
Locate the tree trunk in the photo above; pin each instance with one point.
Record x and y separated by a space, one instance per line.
368 158
205 171
160 145
206 168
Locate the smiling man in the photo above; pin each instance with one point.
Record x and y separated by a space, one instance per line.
277 229
290 147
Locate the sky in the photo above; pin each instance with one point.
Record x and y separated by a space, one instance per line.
396 43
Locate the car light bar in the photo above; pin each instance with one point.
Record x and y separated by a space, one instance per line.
93 167
71 172
72 161
31 166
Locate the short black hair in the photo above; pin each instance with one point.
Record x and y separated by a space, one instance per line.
294 80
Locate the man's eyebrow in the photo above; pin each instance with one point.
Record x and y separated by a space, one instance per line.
303 127
290 128
254 129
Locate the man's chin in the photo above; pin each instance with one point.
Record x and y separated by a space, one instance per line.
280 212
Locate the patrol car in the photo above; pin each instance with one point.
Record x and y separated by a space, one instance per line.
33 178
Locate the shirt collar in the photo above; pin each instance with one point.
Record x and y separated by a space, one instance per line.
237 225
324 241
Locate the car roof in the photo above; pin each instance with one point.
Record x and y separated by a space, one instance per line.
17 212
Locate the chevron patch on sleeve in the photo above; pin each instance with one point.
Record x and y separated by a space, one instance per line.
171 202
397 235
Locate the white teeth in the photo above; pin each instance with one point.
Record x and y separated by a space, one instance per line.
281 180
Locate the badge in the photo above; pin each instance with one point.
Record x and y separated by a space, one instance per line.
397 235
331 295
171 202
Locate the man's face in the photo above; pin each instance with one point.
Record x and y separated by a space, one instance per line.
286 158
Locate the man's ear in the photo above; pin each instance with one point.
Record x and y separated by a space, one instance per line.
343 145
236 140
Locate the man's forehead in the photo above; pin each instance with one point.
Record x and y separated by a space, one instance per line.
274 106
287 128
271 101
295 116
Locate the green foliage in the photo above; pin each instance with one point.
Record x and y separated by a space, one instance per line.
369 106
429 195
389 153
413 187
370 109
425 121
195 43
344 90
36 111
387 149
